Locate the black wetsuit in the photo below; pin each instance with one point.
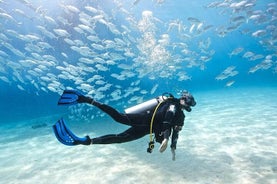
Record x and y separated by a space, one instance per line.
168 116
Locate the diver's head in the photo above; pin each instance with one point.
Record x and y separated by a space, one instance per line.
187 101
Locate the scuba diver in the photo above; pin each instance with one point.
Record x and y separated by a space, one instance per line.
161 116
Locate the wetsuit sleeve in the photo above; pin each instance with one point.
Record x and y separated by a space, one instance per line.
174 138
167 123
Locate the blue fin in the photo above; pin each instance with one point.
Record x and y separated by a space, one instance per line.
69 97
67 137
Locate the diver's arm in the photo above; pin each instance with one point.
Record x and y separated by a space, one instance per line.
166 135
167 122
174 138
167 127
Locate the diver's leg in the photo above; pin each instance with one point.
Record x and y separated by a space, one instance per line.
131 134
117 116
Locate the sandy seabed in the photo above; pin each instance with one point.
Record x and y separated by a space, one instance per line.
229 137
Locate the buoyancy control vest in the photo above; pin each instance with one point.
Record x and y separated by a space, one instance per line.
148 107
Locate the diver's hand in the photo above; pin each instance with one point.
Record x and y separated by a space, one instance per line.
173 154
163 145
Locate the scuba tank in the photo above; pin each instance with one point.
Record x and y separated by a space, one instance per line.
148 106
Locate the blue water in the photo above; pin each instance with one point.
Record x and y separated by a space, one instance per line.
125 52
22 83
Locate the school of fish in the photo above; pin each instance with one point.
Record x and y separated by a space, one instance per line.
86 45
